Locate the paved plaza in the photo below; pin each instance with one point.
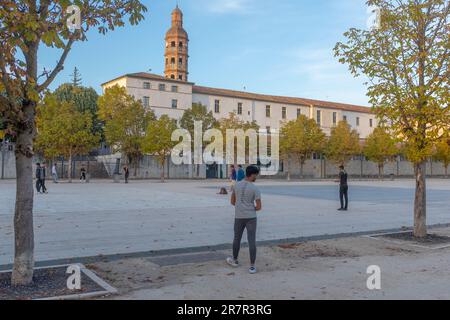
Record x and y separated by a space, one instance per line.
103 218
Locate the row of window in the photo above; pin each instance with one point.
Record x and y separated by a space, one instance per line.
161 87
284 113
173 60
173 44
146 102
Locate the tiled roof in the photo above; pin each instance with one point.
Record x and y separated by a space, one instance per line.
279 99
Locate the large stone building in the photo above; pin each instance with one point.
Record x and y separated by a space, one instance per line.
172 94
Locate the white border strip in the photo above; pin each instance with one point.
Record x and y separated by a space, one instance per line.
379 236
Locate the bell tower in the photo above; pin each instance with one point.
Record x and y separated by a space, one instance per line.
176 52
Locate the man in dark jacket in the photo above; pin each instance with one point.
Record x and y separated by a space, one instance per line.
38 177
343 188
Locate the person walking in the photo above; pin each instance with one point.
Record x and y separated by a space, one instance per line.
42 176
83 174
343 189
126 172
246 198
38 177
54 173
240 174
233 177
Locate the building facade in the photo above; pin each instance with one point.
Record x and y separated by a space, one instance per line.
172 94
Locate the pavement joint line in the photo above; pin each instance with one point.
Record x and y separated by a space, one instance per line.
189 250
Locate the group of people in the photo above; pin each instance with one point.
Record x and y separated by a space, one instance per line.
237 175
246 199
41 174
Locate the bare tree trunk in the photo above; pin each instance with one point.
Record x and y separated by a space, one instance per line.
420 213
301 168
163 168
23 217
446 171
70 167
380 171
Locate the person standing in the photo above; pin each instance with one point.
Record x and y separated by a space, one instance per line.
240 174
42 175
246 198
126 172
343 188
38 177
54 173
83 174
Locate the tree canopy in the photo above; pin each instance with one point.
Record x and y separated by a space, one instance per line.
380 147
342 144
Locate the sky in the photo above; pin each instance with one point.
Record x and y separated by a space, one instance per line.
277 47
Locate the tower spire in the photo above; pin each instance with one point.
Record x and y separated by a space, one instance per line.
176 53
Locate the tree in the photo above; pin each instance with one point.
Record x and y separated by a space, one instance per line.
126 120
234 123
442 153
379 148
406 61
198 112
76 77
26 26
62 130
158 140
301 137
342 144
85 99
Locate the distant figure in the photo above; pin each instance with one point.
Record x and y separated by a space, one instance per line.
83 174
38 177
54 173
246 198
126 173
240 174
233 177
343 189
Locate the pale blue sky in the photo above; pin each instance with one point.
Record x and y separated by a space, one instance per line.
279 47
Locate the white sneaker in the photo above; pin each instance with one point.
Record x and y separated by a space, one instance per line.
252 270
232 262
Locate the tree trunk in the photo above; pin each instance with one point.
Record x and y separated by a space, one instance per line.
163 167
420 213
23 217
446 171
380 171
301 167
70 167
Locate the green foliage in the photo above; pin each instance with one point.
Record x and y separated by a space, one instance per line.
158 139
76 77
198 112
442 152
85 100
126 121
380 147
342 144
63 130
407 64
301 138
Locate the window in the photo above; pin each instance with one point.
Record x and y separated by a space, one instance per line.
167 61
180 44
172 76
357 121
146 101
268 111
162 87
239 111
174 103
173 44
174 88
371 122
268 130
217 106
299 113
344 118
146 85
180 61
334 118
172 60
283 112
180 77
319 117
